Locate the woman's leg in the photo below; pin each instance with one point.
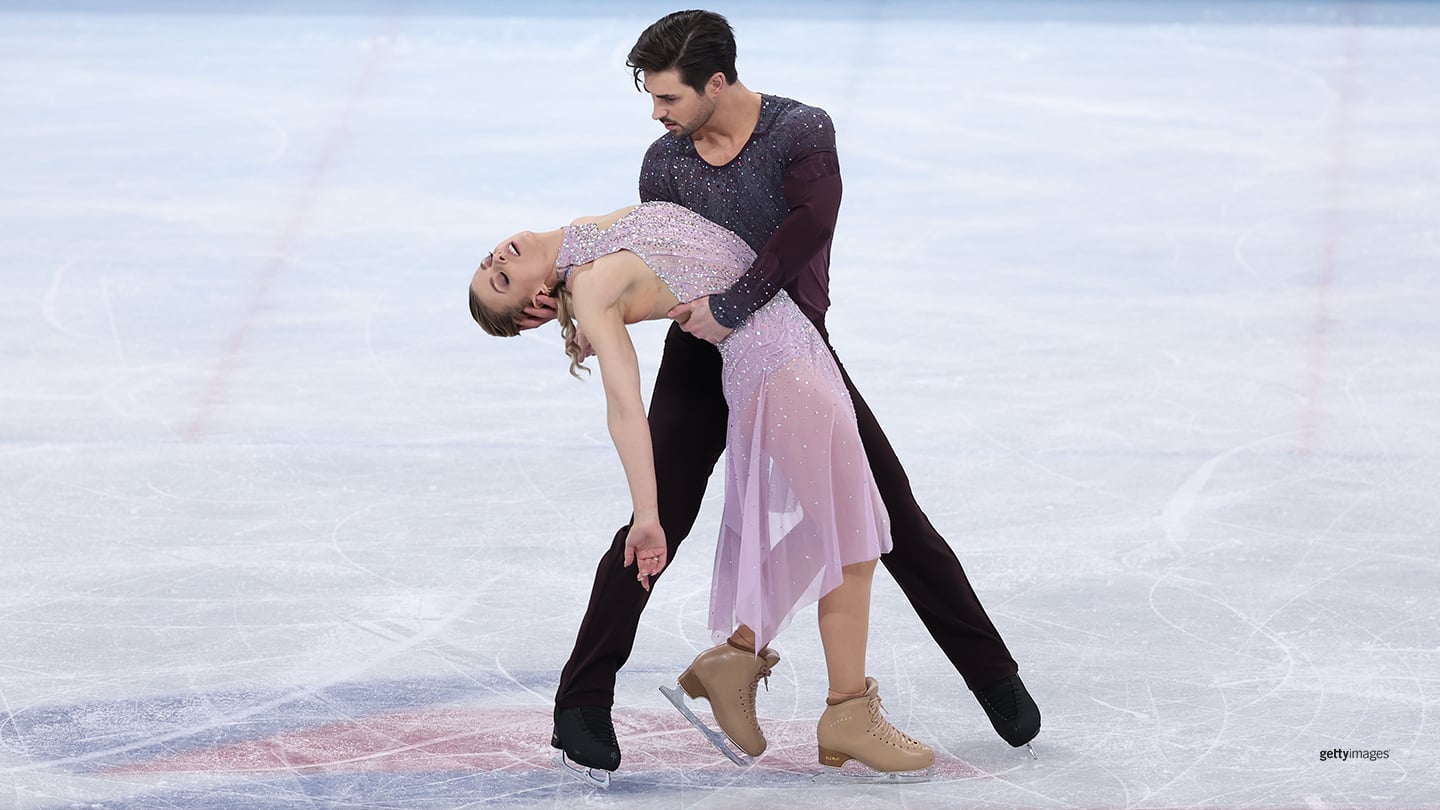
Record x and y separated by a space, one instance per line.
844 629
852 726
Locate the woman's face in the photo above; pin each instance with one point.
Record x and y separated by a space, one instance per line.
513 274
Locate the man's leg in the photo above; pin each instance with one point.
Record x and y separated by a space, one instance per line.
687 427
930 575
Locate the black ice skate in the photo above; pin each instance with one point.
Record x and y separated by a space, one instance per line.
1012 712
586 739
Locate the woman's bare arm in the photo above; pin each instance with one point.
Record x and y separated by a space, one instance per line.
600 299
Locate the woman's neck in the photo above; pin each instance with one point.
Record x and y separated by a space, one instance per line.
550 243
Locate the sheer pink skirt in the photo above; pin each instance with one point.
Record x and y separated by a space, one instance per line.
800 502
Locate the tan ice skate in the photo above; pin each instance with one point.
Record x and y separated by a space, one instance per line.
727 676
856 729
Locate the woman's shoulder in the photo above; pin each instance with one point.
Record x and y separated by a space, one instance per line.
604 221
607 277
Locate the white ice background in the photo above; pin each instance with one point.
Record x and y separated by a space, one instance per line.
1145 294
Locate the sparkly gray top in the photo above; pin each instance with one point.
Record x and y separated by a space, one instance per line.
790 154
691 254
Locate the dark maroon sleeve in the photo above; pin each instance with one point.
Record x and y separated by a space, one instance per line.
654 181
812 191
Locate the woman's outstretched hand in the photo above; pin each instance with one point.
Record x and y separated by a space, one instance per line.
645 548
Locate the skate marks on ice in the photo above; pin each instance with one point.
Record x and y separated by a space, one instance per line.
417 743
1279 626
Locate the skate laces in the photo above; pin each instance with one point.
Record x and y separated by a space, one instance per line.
763 656
762 674
1001 699
887 733
748 704
597 722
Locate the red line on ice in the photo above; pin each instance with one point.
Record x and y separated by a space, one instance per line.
279 252
1332 231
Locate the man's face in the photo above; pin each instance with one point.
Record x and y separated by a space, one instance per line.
676 104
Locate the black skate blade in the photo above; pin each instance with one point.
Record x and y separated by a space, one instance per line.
720 741
594 777
861 775
1031 749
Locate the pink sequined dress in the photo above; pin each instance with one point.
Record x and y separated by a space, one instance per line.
800 502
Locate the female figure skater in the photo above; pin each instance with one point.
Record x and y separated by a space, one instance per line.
802 520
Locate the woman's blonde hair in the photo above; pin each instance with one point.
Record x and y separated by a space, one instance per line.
507 324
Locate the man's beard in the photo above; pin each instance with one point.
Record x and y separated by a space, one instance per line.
683 131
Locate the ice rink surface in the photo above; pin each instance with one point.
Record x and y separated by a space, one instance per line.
1145 294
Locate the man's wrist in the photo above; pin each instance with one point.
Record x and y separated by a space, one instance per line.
724 311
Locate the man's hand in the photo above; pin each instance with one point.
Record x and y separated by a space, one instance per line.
695 317
645 549
543 311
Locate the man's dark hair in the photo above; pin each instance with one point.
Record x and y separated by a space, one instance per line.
698 44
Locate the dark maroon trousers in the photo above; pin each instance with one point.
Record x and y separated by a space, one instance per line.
687 427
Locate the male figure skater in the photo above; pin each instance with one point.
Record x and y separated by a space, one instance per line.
765 167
